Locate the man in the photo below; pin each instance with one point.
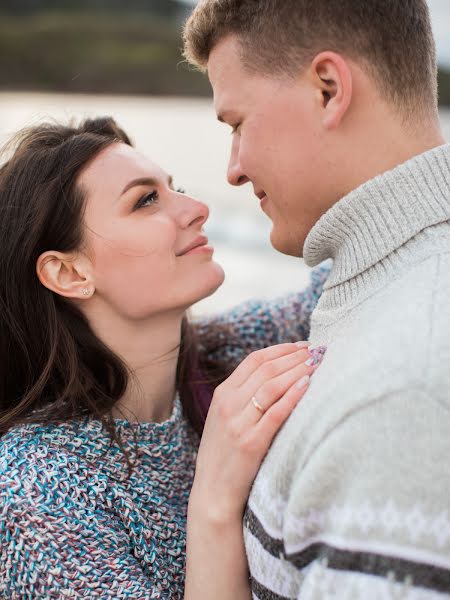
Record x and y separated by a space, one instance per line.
333 106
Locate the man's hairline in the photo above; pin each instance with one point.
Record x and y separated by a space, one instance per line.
370 69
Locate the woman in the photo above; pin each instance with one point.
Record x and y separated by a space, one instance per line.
104 385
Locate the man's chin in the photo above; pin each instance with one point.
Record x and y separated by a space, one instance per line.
286 244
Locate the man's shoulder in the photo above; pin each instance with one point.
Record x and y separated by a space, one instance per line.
400 338
397 344
391 340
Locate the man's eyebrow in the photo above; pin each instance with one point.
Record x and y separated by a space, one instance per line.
150 181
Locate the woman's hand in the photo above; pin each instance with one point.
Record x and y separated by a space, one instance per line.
246 412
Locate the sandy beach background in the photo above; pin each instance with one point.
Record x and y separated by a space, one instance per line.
184 137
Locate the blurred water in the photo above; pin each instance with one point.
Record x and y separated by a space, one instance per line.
183 136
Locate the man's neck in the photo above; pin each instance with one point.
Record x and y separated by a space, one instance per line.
386 142
379 228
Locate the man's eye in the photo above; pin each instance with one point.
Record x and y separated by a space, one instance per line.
147 200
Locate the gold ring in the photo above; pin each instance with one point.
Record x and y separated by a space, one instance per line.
257 405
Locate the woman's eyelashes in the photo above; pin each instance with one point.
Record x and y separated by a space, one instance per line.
148 199
152 198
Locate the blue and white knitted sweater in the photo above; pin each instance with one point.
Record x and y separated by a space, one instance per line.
73 525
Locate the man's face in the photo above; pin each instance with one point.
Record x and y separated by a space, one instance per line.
277 145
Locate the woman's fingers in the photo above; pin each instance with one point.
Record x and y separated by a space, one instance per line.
259 400
259 358
271 421
272 369
238 432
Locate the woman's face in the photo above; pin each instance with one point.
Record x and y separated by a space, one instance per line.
138 233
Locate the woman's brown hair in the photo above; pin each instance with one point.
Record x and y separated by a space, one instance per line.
53 367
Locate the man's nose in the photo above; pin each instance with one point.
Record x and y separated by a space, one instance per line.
235 173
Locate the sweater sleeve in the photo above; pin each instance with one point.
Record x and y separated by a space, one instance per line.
56 542
257 324
366 512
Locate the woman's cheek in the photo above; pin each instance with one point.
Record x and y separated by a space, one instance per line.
135 273
129 241
136 279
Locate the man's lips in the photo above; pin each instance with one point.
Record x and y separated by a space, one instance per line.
201 242
262 198
261 195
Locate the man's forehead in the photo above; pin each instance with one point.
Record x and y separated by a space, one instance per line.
227 77
228 101
224 63
226 98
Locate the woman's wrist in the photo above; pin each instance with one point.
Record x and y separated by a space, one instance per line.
214 513
216 565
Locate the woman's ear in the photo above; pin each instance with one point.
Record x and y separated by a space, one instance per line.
67 275
334 83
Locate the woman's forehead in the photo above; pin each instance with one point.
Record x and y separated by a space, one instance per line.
116 166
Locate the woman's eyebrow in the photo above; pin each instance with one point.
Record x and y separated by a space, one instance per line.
150 181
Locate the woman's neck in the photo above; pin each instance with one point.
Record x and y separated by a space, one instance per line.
151 390
150 350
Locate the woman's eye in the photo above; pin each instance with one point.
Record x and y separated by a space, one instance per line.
180 191
147 200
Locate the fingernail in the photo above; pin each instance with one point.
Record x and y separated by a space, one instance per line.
319 349
317 355
303 344
302 382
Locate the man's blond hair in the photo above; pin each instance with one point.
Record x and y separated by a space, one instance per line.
392 38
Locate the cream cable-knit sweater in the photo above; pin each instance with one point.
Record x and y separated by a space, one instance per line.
353 499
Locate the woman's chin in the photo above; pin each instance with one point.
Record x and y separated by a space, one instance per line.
217 279
214 282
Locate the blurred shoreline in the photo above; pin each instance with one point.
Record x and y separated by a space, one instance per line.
111 46
184 137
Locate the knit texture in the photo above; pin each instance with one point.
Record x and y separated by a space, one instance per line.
72 525
352 499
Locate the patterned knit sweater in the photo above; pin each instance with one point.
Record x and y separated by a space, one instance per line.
352 501
72 525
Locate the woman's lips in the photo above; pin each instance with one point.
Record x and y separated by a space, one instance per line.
199 242
206 249
201 248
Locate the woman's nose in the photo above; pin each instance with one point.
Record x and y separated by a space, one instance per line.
191 211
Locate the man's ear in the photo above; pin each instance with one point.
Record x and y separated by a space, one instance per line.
333 80
65 274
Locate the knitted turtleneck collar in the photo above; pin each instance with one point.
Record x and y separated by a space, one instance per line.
379 218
